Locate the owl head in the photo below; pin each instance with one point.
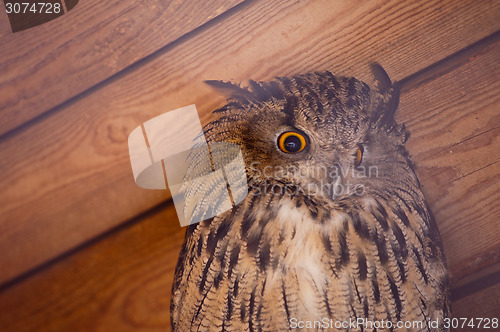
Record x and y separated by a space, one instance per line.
317 134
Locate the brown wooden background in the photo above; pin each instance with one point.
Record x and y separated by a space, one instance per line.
82 248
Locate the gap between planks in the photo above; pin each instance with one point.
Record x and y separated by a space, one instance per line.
126 70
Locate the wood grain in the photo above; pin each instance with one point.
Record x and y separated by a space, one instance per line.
121 283
4 23
455 124
482 304
46 65
67 177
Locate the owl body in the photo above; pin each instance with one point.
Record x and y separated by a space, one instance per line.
334 233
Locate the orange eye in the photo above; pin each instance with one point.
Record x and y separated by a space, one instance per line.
291 142
359 155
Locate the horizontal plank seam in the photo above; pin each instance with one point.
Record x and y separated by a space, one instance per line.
120 227
128 70
451 146
458 143
475 286
449 63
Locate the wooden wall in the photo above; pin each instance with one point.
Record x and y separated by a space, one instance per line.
82 248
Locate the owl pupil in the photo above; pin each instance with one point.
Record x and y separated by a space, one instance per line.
293 144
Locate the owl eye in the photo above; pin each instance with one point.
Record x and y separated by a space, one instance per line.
359 155
291 142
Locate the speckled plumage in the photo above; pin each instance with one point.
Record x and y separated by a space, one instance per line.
287 253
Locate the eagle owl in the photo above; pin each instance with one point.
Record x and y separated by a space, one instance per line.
334 228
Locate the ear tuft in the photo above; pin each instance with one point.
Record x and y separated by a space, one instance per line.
381 77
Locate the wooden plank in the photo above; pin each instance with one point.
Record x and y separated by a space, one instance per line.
83 185
482 304
473 283
455 124
121 283
46 65
4 23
